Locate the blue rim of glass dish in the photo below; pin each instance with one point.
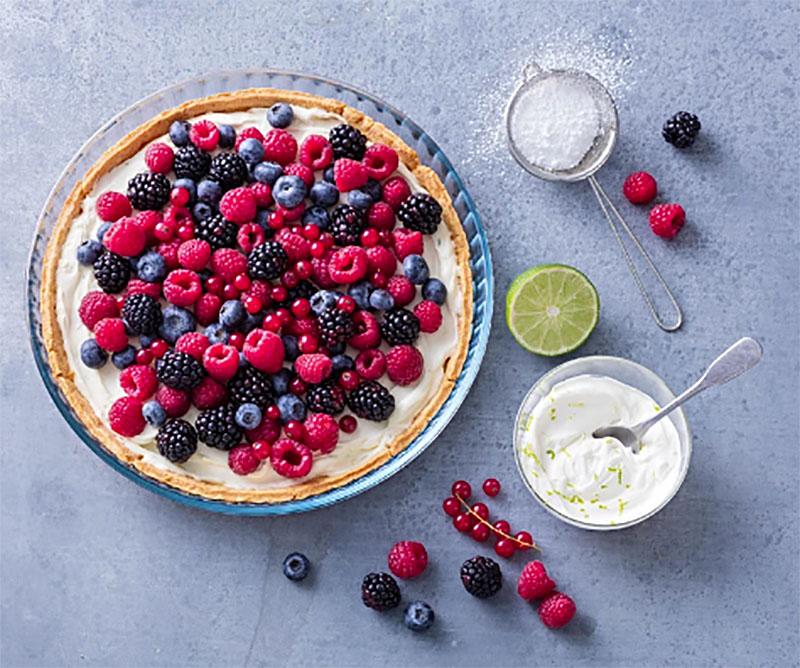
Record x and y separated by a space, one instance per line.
227 81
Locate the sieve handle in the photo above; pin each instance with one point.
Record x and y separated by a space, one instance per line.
608 208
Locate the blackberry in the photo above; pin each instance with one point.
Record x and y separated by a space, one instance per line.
399 326
111 271
217 231
191 163
481 577
303 290
142 314
177 441
335 326
251 386
229 170
371 401
179 370
326 398
217 427
347 224
148 190
267 261
681 129
379 591
347 142
420 212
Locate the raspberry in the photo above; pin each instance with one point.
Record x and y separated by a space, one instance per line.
320 273
111 206
158 157
194 254
174 402
404 364
280 147
305 173
95 306
124 238
169 251
556 610
407 242
137 286
268 430
248 133
533 582
381 259
316 152
209 394
238 205
297 247
300 326
182 287
380 161
293 214
290 458
125 417
402 290
194 343
348 265
407 559
242 460
380 216
263 194
221 361
204 135
666 220
177 216
264 350
110 334
261 290
429 315
249 236
321 432
313 368
148 220
349 174
367 332
139 381
395 192
228 264
370 364
640 188
206 309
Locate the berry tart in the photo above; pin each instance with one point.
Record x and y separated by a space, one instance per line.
257 296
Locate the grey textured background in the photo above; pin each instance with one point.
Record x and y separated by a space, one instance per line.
98 572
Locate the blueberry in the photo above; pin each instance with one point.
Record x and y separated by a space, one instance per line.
290 348
134 260
243 363
92 355
289 191
324 193
227 136
360 293
342 363
296 566
177 321
418 616
154 414
323 300
374 189
124 358
251 150
231 315
262 216
191 188
381 300
248 416
291 408
435 291
281 380
416 269
359 200
146 339
151 267
328 175
267 172
202 211
89 251
317 215
251 321
209 192
179 133
280 115
101 231
337 348
216 333
250 177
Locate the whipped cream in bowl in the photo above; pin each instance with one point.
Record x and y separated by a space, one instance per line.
598 483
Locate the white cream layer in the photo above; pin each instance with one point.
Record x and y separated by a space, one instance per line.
101 387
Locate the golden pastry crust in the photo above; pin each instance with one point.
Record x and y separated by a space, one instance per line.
132 144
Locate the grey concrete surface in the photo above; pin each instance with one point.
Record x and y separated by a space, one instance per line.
99 572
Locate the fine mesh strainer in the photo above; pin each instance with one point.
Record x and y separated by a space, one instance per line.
593 160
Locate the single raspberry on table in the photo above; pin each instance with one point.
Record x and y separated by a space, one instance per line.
125 417
556 610
381 259
159 157
182 287
407 559
242 460
367 331
349 174
316 152
396 191
174 402
268 430
297 247
290 458
321 432
404 364
209 394
95 306
205 135
380 161
429 315
110 334
139 381
666 220
206 309
221 360
238 205
534 583
137 286
402 290
228 263
111 206
125 238
280 147
194 343
304 173
314 367
263 194
381 216
407 242
640 188
320 273
248 133
195 254
169 251
264 350
348 265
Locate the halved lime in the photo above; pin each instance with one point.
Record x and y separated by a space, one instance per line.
552 309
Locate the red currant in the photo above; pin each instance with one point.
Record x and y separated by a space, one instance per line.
524 540
327 239
346 303
242 282
298 386
295 430
386 238
144 356
301 308
348 424
369 237
451 506
159 347
304 269
186 232
252 304
230 291
491 487
272 322
275 220
307 343
481 510
378 279
214 285
349 380
504 547
480 532
318 249
503 527
179 196
236 340
311 232
463 522
285 315
290 278
262 449
461 488
162 232
273 412
279 293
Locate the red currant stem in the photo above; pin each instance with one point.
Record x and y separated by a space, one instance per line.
492 527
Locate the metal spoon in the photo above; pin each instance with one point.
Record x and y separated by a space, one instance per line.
737 359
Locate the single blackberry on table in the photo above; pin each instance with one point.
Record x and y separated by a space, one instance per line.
379 591
142 314
177 441
399 326
681 129
347 142
111 271
335 326
481 577
179 370
217 231
267 261
347 224
229 170
251 386
420 212
191 163
217 427
148 191
371 401
326 398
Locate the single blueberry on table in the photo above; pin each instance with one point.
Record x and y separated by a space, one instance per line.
359 200
216 333
248 416
289 191
251 150
154 414
323 300
318 216
416 269
296 566
89 251
360 293
151 267
435 291
324 194
176 321
190 187
418 616
381 300
101 231
124 358
281 380
291 408
209 192
232 314
290 348
227 135
267 172
179 133
92 355
280 115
